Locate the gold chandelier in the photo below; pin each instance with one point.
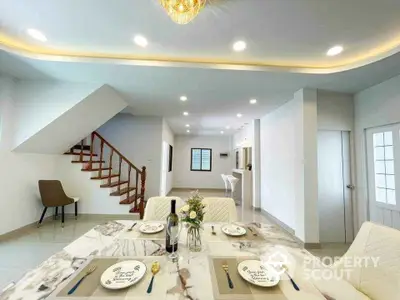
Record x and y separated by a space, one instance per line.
183 11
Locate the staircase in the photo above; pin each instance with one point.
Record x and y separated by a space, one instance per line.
113 170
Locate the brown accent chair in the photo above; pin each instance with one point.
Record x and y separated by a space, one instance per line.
53 195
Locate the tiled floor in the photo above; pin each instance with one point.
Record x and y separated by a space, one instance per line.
29 248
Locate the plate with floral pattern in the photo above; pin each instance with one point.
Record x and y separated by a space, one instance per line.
123 274
151 227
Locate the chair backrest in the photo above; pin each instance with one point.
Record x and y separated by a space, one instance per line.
381 281
225 179
158 208
219 210
52 193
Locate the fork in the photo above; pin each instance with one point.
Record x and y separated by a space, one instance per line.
90 271
226 269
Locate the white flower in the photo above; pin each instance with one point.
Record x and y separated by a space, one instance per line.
185 208
193 214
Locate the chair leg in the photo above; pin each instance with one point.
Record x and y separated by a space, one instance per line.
55 213
41 218
76 210
62 216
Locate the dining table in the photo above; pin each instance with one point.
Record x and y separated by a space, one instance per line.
193 275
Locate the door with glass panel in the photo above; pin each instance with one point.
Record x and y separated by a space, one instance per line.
383 162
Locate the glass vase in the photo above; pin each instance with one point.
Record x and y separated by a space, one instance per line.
194 238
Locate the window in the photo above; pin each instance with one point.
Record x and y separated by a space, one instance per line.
385 187
201 159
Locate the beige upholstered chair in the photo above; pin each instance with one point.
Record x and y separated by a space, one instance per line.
219 210
53 195
381 281
158 208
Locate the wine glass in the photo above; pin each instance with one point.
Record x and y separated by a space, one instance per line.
174 232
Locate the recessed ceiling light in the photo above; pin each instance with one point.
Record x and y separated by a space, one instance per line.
183 98
334 51
227 127
185 113
187 125
253 101
222 132
140 41
239 46
36 34
188 131
239 115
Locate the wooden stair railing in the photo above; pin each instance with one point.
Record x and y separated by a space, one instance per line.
121 161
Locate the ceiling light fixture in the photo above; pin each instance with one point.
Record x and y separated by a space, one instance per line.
334 51
183 98
188 131
227 127
36 34
183 11
253 101
185 113
239 46
222 132
140 41
187 125
239 115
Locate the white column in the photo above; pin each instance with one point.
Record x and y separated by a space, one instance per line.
256 162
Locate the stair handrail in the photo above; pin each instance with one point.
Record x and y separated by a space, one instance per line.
95 133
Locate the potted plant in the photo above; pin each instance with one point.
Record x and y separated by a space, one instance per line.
192 214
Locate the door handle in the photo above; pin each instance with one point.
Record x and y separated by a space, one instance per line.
350 186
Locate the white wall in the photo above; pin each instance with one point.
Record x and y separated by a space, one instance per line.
68 127
168 137
244 137
38 103
289 165
335 111
184 178
376 106
139 140
19 196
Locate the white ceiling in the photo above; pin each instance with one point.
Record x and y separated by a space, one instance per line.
278 32
214 96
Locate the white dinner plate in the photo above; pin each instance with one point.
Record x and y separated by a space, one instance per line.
151 227
123 274
233 230
258 273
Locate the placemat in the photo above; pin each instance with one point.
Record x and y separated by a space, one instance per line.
91 287
242 289
220 236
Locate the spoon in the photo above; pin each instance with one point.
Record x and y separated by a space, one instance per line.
285 268
155 268
131 228
88 272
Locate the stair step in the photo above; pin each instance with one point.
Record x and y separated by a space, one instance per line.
79 147
113 184
87 161
104 176
77 153
95 169
122 191
130 200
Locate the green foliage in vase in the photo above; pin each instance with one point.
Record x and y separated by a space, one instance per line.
192 212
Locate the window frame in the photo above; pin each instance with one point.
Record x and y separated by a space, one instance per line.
201 156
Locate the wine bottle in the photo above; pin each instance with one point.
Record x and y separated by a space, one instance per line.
172 230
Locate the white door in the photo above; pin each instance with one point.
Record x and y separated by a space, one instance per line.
334 187
164 168
383 164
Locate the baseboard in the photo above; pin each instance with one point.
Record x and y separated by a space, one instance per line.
290 231
257 208
278 222
14 233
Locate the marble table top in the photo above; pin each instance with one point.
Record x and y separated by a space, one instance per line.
113 239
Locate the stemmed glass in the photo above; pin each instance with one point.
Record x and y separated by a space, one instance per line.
174 232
